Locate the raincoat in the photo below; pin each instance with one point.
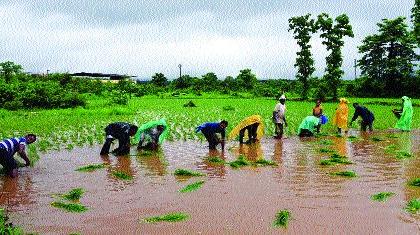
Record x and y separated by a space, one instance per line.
404 123
341 114
153 124
309 123
246 122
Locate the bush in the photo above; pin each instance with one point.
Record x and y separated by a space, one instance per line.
119 97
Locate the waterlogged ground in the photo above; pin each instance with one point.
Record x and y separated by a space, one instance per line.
234 201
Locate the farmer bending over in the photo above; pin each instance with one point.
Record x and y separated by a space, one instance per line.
152 134
121 131
404 115
253 125
9 147
367 117
209 131
308 126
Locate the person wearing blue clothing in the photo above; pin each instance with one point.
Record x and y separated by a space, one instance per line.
209 131
366 114
9 147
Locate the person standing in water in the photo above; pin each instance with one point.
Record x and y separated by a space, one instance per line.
9 147
341 115
404 115
367 117
122 132
279 117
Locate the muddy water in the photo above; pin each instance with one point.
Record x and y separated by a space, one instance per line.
242 201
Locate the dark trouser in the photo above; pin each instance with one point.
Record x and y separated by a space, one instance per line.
252 133
212 138
279 130
364 126
305 133
8 162
121 150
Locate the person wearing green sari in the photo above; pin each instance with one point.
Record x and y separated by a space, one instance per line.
404 115
152 134
308 126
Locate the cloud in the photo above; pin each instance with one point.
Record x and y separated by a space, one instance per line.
145 37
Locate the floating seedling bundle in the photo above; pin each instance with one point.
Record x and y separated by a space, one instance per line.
335 159
171 217
192 187
282 218
382 196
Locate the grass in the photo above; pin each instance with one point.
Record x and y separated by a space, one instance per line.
403 155
335 159
70 207
326 142
7 227
91 167
325 150
189 173
282 218
414 182
376 139
74 194
192 187
382 196
216 160
122 175
344 173
172 217
263 162
413 206
239 162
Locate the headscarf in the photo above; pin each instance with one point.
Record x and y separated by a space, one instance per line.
404 123
153 124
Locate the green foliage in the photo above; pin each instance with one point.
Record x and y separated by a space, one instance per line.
190 104
415 19
282 218
239 162
414 182
74 194
333 39
172 217
70 207
216 160
246 79
159 80
8 69
119 97
7 227
192 187
91 167
387 60
382 196
335 159
302 28
413 206
185 172
344 173
264 162
403 154
122 175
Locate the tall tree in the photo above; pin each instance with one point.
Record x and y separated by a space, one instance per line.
159 79
246 79
415 19
8 69
333 39
210 81
303 27
388 56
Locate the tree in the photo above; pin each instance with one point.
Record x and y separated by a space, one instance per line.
159 80
210 81
246 79
302 28
8 69
230 83
333 39
415 19
185 81
388 56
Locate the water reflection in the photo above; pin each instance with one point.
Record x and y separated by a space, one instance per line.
252 152
213 169
16 191
153 162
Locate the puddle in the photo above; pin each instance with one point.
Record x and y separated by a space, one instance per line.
243 200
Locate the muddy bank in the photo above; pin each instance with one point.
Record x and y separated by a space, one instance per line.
235 201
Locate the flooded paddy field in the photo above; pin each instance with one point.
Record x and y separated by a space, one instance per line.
231 200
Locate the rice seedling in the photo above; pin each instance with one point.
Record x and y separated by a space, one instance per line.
326 150
171 217
263 162
282 218
239 162
390 149
70 207
122 175
376 139
192 187
414 182
91 167
335 159
382 196
344 173
7 227
326 142
392 136
228 108
74 194
185 172
215 160
190 104
403 155
413 206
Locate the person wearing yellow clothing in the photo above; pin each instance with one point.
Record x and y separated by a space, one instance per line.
341 115
253 125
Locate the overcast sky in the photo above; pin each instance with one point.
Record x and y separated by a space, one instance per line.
145 37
